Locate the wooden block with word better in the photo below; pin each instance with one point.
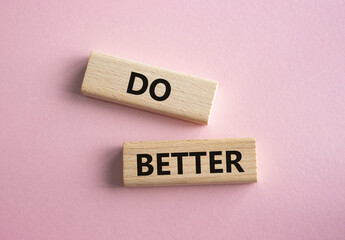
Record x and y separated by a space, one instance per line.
191 162
149 88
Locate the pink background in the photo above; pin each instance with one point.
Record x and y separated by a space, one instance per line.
280 67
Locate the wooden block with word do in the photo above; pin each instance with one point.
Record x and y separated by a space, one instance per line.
149 88
191 162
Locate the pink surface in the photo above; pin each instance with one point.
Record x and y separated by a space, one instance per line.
281 72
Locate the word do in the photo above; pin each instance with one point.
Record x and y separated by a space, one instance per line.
135 76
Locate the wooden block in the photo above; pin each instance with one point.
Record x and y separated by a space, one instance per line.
191 162
149 88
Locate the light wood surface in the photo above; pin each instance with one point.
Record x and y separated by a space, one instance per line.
108 78
221 161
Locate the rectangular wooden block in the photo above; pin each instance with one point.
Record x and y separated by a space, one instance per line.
149 88
191 162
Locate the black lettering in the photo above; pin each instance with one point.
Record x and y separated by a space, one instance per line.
147 164
160 164
179 160
167 89
197 156
131 84
229 162
213 162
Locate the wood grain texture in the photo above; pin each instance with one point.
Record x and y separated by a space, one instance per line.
107 78
136 162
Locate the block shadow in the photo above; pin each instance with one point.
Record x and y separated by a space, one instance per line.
77 75
113 169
